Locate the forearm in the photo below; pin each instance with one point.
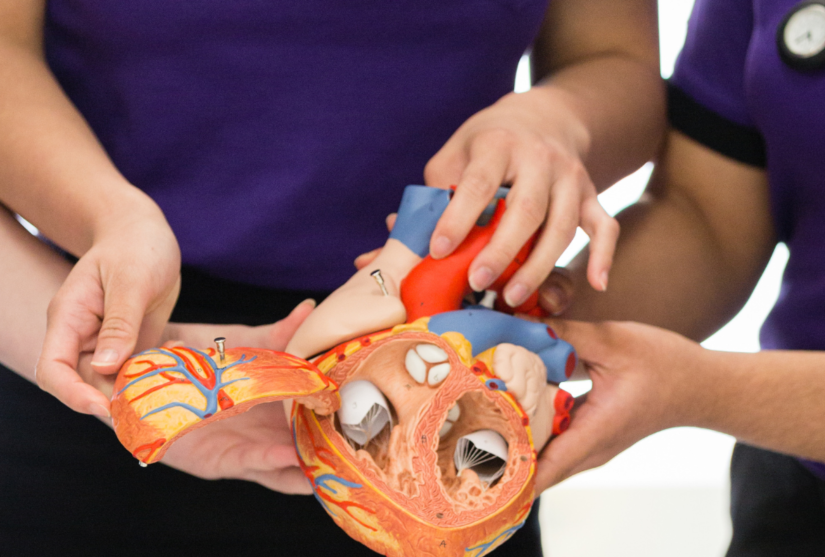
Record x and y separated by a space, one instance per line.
53 171
666 272
690 251
600 60
30 274
771 399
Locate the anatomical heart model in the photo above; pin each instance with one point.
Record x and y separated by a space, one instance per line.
416 417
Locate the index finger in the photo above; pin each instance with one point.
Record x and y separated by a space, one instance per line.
480 181
55 372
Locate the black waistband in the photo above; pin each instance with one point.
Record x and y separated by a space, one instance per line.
207 299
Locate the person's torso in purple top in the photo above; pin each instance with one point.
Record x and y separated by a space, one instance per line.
276 136
734 68
731 65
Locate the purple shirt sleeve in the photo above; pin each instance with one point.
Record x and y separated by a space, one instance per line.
711 67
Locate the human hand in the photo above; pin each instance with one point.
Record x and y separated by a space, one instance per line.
255 445
123 288
645 380
274 336
557 292
528 140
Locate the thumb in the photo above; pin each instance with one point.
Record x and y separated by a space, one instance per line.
573 451
72 321
366 258
559 459
592 341
125 304
556 294
282 332
391 218
154 322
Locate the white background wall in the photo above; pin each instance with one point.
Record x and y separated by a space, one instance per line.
667 496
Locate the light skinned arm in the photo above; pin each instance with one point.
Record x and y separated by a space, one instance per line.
31 273
255 446
595 114
55 173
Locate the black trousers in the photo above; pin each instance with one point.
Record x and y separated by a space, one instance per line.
777 506
67 486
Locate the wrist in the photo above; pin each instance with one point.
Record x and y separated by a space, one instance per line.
129 209
703 388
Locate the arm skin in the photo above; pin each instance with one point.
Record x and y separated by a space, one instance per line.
691 250
35 272
600 61
647 379
691 254
54 172
255 446
23 315
596 111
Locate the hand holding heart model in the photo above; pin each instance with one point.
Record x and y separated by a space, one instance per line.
416 424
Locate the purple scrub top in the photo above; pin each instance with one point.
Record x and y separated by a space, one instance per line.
276 136
774 116
731 65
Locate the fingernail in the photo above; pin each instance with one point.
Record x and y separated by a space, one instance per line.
553 297
310 302
441 247
603 280
105 358
515 295
369 256
481 278
99 410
